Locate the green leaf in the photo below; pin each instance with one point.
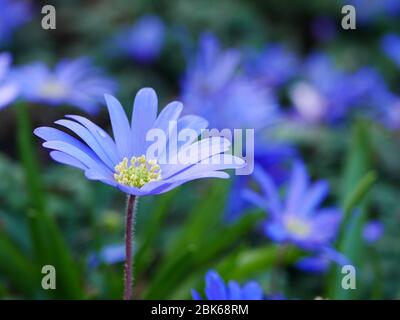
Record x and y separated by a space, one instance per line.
17 268
47 240
357 181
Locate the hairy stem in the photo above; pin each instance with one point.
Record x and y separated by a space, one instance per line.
130 217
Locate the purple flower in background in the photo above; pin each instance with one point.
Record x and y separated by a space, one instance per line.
390 44
274 66
110 254
144 40
216 289
72 82
214 88
297 218
8 89
13 14
127 162
373 231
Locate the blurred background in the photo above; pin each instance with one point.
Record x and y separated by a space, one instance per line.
315 94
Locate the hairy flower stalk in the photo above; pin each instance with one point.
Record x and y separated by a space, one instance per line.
130 218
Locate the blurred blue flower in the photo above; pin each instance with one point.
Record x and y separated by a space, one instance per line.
110 254
373 231
213 88
273 159
390 111
390 44
13 14
72 82
320 262
324 96
274 66
124 162
298 219
216 289
8 88
369 11
144 40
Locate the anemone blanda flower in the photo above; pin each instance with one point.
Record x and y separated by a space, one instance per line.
297 218
216 289
214 88
75 82
322 96
13 14
8 89
273 159
144 40
126 162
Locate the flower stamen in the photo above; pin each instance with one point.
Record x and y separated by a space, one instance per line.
137 172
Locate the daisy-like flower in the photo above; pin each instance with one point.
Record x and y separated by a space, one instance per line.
74 82
322 96
298 218
216 289
123 162
128 161
8 89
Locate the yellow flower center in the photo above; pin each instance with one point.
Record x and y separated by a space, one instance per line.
298 226
137 172
53 89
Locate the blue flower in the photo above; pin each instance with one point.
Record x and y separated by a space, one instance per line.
129 162
272 158
216 289
297 218
214 88
72 82
274 66
110 254
13 14
144 40
373 231
390 44
369 11
8 89
324 96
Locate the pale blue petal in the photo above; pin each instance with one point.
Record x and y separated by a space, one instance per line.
297 186
120 126
143 117
64 158
313 197
102 137
87 137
